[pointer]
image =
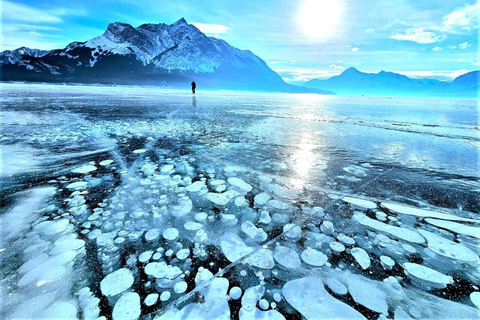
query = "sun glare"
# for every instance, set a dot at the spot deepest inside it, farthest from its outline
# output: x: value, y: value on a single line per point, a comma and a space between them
x: 319, y: 18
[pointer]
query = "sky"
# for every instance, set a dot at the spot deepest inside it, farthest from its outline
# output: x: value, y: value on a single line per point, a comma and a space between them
x: 299, y: 39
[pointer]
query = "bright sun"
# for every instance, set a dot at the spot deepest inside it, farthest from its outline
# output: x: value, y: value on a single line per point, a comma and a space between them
x: 319, y: 18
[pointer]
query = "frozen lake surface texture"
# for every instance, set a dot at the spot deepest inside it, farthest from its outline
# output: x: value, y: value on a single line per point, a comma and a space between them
x: 126, y: 203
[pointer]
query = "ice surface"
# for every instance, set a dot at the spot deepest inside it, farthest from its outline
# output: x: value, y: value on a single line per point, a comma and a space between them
x: 475, y: 298
x: 309, y: 297
x: 262, y: 189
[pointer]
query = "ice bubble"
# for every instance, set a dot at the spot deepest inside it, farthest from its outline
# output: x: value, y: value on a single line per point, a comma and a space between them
x: 222, y: 198
x: 292, y: 232
x: 79, y: 185
x: 220, y: 188
x: 106, y: 162
x: 251, y: 297
x: 116, y: 282
x: 67, y: 243
x: 84, y: 169
x: 346, y: 240
x: 277, y: 204
x: 52, y: 227
x: 277, y: 297
x: 235, y: 293
x: 127, y: 307
x: 183, y: 254
x: 336, y: 286
x: 360, y: 202
x: 309, y: 297
x: 327, y: 228
x: 398, y: 232
x: 145, y: 256
x: 475, y: 298
x: 287, y: 257
x: 337, y: 247
x: 456, y: 227
x: 402, y: 209
x: 169, y: 253
x: 151, y: 299
x: 201, y: 216
x: 157, y: 256
x: 253, y: 232
x: 263, y: 259
x: 196, y: 186
x: 170, y: 234
x: 427, y: 276
x: 167, y: 168
x: 387, y: 262
x: 448, y: 248
x: 362, y: 257
x: 201, y: 236
x: 240, y: 201
x: 152, y: 234
x: 137, y: 151
x: 314, y: 257
x: 365, y: 293
x: 229, y: 219
x: 243, y: 273
x: 263, y: 304
x: 161, y: 270
x: 261, y: 199
x: 233, y: 247
x: 180, y: 287
x: 239, y: 183
x: 265, y: 217
x: 216, y: 182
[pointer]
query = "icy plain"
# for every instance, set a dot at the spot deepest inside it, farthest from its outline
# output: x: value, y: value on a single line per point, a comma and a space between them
x: 130, y: 202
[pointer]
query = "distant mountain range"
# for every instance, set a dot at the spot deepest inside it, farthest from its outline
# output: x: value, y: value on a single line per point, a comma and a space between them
x: 152, y: 54
x: 354, y: 82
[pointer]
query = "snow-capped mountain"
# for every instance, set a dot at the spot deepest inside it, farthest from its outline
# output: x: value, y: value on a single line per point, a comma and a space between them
x: 171, y: 55
x: 14, y: 56
x: 354, y: 82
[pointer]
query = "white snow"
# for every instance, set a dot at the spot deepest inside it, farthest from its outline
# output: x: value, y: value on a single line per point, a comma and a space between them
x: 309, y: 297
x: 314, y: 257
x: 361, y: 256
x: 117, y: 282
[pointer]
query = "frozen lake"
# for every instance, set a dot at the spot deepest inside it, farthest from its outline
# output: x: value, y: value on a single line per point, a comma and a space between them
x: 130, y: 202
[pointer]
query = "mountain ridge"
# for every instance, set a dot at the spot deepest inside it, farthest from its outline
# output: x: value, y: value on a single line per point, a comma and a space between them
x: 354, y: 82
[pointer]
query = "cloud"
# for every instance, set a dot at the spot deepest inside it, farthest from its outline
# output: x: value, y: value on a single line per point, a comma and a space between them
x: 355, y: 49
x: 463, y: 19
x: 336, y: 67
x: 370, y: 30
x: 19, y: 12
x: 298, y: 75
x: 419, y: 35
x: 211, y: 29
x: 461, y: 60
x: 464, y: 45
x: 437, y: 48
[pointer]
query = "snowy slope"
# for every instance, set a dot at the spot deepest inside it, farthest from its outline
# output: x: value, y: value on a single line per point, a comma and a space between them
x: 14, y: 56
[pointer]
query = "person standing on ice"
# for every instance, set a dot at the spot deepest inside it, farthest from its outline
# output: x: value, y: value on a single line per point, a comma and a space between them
x: 194, y: 85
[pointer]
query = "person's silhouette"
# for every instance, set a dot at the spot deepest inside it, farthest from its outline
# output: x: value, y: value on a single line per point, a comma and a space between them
x: 194, y: 85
